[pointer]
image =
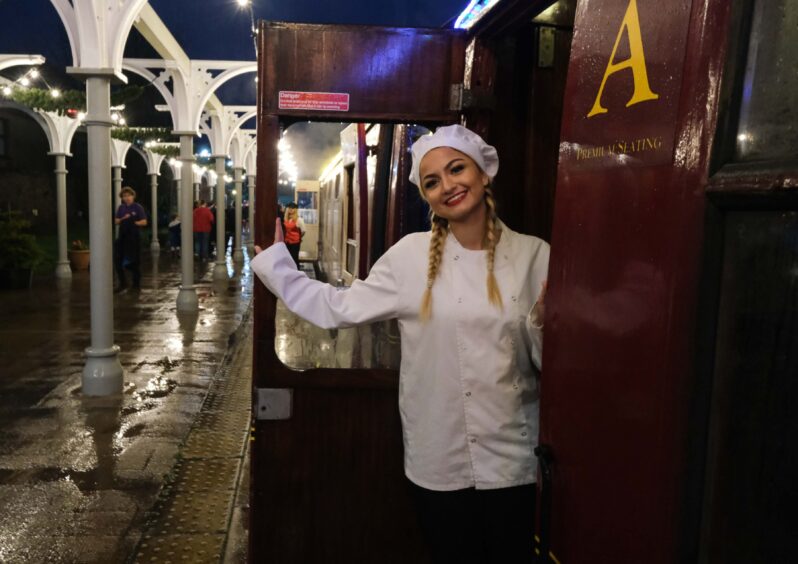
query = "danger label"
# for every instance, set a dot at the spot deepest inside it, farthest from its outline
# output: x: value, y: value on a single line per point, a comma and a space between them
x: 317, y: 101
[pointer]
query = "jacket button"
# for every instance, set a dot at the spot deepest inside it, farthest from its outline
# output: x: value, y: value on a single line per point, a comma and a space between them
x: 473, y: 440
x: 459, y: 300
x: 523, y: 433
x: 456, y: 257
x: 468, y: 394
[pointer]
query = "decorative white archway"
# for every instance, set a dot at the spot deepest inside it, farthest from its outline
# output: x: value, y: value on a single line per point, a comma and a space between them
x: 221, y: 125
x: 59, y: 130
x: 8, y: 61
x: 154, y: 161
x: 97, y: 34
x: 187, y: 88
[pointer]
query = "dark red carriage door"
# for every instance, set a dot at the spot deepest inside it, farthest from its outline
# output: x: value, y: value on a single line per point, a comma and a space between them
x: 327, y: 475
x: 640, y: 107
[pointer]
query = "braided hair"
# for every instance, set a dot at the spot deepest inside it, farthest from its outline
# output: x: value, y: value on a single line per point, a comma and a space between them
x: 440, y: 230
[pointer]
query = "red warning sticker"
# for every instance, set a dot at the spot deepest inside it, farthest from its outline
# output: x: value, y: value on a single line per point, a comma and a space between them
x: 318, y: 101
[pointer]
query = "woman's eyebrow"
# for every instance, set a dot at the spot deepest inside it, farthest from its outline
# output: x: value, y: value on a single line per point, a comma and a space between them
x: 448, y: 166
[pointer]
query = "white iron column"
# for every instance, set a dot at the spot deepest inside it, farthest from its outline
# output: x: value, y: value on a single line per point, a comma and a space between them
x: 62, y: 269
x: 102, y: 374
x: 251, y: 238
x: 220, y: 268
x: 196, y: 191
x: 155, y: 246
x: 238, y: 254
x: 187, y: 297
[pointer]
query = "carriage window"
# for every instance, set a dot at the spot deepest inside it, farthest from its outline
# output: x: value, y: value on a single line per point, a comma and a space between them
x: 768, y: 126
x: 319, y: 173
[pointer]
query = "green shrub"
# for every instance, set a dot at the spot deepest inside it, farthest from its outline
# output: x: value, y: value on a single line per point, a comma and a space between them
x: 18, y: 247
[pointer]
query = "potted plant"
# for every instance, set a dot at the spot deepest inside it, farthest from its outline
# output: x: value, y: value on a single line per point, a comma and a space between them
x: 79, y: 255
x: 19, y: 252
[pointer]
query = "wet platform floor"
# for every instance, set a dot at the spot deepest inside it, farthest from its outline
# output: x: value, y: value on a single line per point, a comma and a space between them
x: 86, y: 479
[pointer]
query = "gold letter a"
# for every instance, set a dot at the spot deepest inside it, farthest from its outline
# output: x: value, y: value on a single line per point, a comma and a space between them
x: 636, y: 61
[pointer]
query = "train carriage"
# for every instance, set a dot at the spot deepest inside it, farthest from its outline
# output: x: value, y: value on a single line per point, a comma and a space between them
x: 653, y: 144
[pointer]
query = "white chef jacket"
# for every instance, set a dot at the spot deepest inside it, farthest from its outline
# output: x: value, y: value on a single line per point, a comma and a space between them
x: 468, y: 392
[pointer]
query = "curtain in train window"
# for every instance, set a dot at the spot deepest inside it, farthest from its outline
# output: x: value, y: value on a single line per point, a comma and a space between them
x: 768, y: 126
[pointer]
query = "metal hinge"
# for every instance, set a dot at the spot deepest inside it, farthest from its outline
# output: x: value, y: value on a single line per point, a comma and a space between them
x: 273, y: 404
x: 461, y: 98
x: 456, y: 97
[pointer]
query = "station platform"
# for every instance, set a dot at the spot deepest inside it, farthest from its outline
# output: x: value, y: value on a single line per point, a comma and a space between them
x: 156, y: 474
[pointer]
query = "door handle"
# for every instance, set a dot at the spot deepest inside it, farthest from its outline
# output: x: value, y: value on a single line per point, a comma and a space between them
x: 546, y: 460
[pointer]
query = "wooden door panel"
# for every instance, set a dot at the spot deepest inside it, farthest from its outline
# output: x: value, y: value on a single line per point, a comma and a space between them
x: 328, y: 485
x: 626, y: 254
x: 392, y: 74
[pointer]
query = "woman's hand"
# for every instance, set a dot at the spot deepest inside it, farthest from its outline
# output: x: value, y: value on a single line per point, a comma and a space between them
x: 278, y: 235
x: 539, y: 309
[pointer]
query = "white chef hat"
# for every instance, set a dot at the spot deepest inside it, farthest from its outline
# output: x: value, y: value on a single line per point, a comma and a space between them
x: 459, y: 138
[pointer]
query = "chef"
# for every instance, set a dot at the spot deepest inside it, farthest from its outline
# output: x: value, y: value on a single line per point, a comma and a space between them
x: 469, y: 299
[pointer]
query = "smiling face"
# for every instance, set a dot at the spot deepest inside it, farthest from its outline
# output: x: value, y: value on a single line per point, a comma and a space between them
x: 453, y: 185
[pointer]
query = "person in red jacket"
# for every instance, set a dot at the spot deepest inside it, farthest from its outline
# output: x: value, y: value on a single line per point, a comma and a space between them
x: 294, y: 229
x: 203, y: 221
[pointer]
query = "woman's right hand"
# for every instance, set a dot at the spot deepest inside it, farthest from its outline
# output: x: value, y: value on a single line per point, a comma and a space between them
x: 278, y: 235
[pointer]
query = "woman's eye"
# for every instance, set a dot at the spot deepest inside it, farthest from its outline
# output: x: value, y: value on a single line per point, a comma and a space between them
x: 430, y: 184
x: 456, y: 169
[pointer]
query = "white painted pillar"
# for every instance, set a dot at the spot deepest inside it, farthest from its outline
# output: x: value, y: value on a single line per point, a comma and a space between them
x: 178, y: 191
x: 155, y: 246
x: 196, y: 192
x: 117, y: 199
x: 251, y: 238
x: 102, y: 374
x: 238, y: 253
x: 187, y: 296
x: 62, y: 269
x: 220, y: 268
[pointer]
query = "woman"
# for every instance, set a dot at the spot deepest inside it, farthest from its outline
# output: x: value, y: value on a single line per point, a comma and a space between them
x: 294, y: 229
x: 469, y: 298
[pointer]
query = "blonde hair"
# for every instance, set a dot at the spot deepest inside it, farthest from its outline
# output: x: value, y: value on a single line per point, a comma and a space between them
x: 291, y: 213
x: 440, y: 229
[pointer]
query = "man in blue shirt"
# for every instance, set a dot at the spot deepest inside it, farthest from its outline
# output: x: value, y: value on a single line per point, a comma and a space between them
x: 130, y: 217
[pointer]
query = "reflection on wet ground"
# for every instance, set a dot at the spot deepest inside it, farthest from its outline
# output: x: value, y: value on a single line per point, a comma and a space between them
x: 77, y: 475
x: 302, y: 345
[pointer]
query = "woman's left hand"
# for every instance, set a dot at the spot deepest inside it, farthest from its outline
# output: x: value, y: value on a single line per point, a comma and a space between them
x: 540, y: 306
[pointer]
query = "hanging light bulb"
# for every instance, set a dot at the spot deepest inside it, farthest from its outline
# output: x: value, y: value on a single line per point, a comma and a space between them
x: 24, y: 81
x: 122, y: 121
x: 243, y: 3
x: 55, y: 93
x: 34, y: 73
x: 7, y: 91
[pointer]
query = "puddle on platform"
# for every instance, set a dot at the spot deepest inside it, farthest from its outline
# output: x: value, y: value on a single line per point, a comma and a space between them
x: 157, y: 387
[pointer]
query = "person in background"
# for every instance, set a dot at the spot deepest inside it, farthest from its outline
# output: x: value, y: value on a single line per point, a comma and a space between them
x: 203, y: 221
x: 130, y: 217
x: 294, y: 230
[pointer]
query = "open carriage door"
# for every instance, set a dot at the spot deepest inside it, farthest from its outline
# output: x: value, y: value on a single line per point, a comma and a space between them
x: 623, y: 399
x: 327, y: 473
